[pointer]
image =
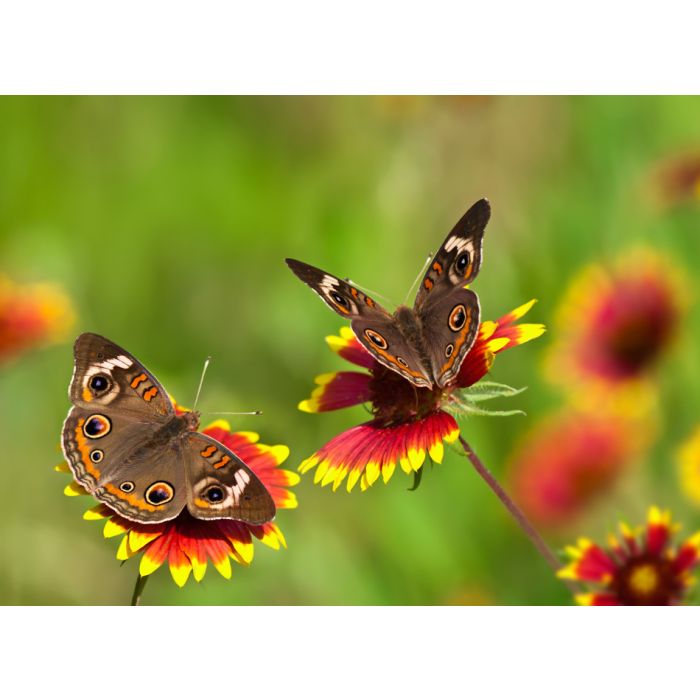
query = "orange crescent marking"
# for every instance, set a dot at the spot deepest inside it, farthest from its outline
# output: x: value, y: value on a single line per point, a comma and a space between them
x: 340, y: 308
x: 135, y: 501
x: 369, y: 302
x: 150, y: 394
x: 353, y: 291
x: 393, y: 361
x: 222, y: 462
x: 458, y: 343
x: 428, y: 283
x: 468, y: 271
x: 137, y: 380
x: 208, y: 451
x: 437, y: 267
x: 84, y: 448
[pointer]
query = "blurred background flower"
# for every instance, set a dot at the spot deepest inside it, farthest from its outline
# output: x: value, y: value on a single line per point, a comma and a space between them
x: 688, y: 458
x: 677, y: 180
x: 166, y: 220
x: 188, y: 544
x: 614, y: 325
x: 32, y: 315
x: 568, y: 462
x: 640, y: 567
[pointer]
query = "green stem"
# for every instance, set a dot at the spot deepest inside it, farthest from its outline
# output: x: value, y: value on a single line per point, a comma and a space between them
x: 519, y: 517
x: 138, y: 590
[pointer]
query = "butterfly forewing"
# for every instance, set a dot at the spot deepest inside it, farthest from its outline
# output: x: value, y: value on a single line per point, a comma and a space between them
x: 458, y: 261
x: 376, y: 330
x: 107, y: 375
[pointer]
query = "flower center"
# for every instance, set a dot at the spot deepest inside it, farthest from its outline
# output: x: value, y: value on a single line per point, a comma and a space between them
x: 647, y: 580
x: 643, y: 579
x: 396, y: 400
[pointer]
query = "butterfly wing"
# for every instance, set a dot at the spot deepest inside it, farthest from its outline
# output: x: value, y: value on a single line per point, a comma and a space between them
x: 113, y: 456
x: 450, y: 326
x: 220, y: 485
x: 458, y: 261
x: 108, y: 438
x: 449, y: 313
x: 107, y: 375
x: 375, y: 329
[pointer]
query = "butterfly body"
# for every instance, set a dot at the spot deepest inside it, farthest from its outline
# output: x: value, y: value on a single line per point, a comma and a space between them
x: 128, y: 447
x: 426, y: 344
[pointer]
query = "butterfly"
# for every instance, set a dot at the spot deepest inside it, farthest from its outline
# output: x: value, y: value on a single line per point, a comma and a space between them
x: 127, y: 446
x: 425, y: 344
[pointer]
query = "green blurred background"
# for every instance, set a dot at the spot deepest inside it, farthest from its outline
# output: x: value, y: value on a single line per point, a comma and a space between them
x: 167, y: 221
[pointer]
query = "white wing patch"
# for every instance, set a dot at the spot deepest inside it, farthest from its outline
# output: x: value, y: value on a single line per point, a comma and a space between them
x: 462, y: 245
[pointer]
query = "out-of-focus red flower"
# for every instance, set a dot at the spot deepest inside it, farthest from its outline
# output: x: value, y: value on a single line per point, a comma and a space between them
x: 567, y: 462
x: 678, y: 179
x: 31, y: 315
x: 613, y: 326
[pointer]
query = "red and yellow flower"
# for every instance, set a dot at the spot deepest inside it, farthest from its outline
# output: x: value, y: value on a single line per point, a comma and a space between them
x: 31, y: 315
x: 689, y: 466
x: 637, y: 568
x: 409, y: 423
x: 188, y: 544
x: 613, y: 326
x: 568, y: 461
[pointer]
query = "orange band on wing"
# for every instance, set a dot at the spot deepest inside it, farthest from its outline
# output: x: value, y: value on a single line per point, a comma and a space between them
x: 458, y: 343
x: 148, y: 395
x: 208, y: 451
x: 222, y: 462
x: 392, y: 360
x: 130, y: 498
x: 137, y: 380
x: 84, y: 448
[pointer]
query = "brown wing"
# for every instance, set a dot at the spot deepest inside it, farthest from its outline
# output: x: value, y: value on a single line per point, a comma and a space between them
x: 107, y: 375
x: 458, y: 261
x: 376, y: 330
x: 220, y: 485
x: 450, y: 326
x: 111, y: 454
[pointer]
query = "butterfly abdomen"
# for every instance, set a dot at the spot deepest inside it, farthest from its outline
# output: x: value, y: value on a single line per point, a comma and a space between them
x: 410, y: 327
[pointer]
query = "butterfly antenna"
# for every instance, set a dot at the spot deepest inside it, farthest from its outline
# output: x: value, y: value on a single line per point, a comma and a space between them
x: 369, y: 291
x: 201, y: 381
x: 420, y: 274
x: 244, y: 413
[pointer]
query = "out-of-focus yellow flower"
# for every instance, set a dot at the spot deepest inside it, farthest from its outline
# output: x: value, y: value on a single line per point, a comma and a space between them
x: 689, y: 466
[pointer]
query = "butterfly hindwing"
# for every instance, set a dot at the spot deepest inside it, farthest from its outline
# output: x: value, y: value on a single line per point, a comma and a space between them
x: 220, y: 485
x: 450, y: 326
x: 113, y: 457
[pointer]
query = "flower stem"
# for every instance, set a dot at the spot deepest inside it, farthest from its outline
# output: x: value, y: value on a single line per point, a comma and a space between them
x: 138, y: 590
x: 519, y: 517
